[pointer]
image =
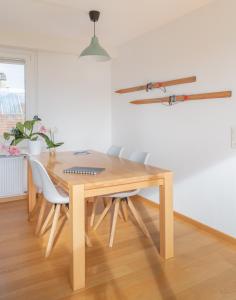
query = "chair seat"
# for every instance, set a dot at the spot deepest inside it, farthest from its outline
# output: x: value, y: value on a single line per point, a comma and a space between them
x: 124, y: 194
x: 62, y: 197
x: 39, y: 190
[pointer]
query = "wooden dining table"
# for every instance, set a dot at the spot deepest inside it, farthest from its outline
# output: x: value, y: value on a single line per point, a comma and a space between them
x: 119, y: 175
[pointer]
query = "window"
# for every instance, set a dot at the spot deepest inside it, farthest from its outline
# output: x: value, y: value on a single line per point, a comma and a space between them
x: 12, y: 94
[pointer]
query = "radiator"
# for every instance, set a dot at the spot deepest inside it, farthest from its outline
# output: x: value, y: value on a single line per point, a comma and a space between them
x: 12, y: 176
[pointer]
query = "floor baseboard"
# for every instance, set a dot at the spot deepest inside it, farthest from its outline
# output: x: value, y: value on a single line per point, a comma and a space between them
x: 195, y: 223
x: 13, y: 198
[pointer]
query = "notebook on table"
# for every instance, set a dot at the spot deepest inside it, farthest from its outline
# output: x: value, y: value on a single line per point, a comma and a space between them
x: 84, y: 170
x: 82, y: 152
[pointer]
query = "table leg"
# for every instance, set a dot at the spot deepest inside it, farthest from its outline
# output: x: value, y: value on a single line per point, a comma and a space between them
x: 166, y: 218
x: 77, y: 236
x: 31, y: 191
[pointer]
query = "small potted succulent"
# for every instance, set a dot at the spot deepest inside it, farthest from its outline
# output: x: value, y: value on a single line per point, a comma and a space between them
x: 26, y: 131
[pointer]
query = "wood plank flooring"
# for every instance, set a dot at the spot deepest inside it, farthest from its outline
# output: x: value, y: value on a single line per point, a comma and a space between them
x: 204, y: 267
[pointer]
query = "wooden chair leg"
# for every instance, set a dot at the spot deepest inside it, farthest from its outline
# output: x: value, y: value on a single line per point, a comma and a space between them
x: 114, y: 220
x: 66, y: 211
x: 61, y: 223
x: 120, y: 214
x: 104, y: 201
x: 53, y: 230
x: 93, y: 211
x: 87, y: 239
x: 36, y: 207
x: 40, y: 217
x: 105, y: 211
x: 46, y: 222
x: 123, y: 205
x: 139, y: 219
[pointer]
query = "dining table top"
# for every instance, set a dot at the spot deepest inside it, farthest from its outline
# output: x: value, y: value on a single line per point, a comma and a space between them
x: 117, y: 170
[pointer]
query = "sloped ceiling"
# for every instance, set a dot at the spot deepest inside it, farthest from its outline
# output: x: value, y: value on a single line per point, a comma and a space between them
x: 120, y: 21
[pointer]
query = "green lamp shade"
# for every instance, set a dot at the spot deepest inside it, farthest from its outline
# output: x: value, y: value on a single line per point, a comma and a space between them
x: 95, y: 51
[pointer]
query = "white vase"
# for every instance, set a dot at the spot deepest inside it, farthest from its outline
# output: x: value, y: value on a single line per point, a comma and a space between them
x: 34, y: 147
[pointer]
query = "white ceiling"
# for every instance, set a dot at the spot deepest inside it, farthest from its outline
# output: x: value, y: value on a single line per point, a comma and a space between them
x: 120, y: 21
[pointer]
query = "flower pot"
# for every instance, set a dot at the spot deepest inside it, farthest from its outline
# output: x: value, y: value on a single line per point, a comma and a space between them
x: 34, y: 147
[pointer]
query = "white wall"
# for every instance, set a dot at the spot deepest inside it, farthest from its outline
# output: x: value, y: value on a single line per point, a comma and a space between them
x: 192, y: 139
x: 70, y: 95
x: 74, y: 97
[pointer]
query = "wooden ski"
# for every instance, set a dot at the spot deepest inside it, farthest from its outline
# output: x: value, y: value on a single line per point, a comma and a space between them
x: 156, y: 85
x: 173, y: 99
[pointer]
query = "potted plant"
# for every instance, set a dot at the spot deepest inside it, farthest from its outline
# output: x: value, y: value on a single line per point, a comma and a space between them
x: 26, y: 131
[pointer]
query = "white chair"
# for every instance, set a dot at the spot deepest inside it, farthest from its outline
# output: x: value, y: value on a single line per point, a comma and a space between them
x: 113, y: 151
x: 57, y: 198
x: 123, y: 200
x: 40, y: 200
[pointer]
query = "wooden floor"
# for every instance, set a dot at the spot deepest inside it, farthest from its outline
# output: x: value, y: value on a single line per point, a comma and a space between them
x: 203, y: 268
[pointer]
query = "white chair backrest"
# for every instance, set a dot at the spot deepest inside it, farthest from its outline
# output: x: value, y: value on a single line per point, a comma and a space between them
x: 115, y: 151
x: 36, y: 177
x: 140, y: 157
x: 49, y: 190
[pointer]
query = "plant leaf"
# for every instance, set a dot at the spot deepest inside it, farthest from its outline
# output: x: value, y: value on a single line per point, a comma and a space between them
x: 46, y: 139
x: 17, y: 141
x: 49, y: 142
x: 28, y: 125
x: 6, y: 136
x: 58, y: 144
x: 20, y: 127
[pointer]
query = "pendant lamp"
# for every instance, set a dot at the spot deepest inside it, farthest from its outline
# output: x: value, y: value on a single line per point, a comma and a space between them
x: 94, y: 51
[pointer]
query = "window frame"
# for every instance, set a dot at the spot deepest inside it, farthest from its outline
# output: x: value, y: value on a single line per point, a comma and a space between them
x: 30, y: 60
